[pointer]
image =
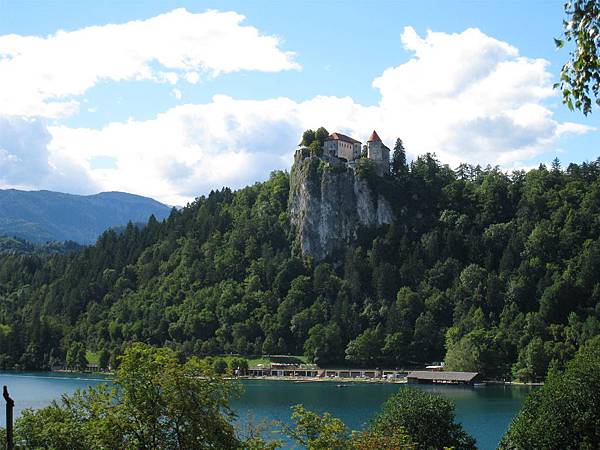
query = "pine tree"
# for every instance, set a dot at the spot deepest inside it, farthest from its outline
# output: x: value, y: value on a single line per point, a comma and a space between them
x: 399, y: 166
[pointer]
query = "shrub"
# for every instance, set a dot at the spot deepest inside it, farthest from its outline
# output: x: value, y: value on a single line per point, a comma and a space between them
x: 428, y: 419
x: 565, y: 412
x: 156, y: 403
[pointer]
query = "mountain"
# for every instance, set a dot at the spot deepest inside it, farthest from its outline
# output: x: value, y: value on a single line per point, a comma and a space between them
x: 42, y: 216
x: 488, y: 271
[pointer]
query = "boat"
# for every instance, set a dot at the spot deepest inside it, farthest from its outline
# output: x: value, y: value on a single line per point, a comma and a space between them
x: 478, y: 385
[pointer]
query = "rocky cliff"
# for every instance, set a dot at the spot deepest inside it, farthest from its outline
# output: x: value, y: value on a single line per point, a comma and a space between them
x: 329, y: 202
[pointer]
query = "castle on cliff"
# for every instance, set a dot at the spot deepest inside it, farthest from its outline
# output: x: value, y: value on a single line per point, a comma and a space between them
x: 344, y: 147
x: 331, y: 198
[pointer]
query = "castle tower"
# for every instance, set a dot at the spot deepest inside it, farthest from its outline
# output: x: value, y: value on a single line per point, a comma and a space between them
x: 378, y: 152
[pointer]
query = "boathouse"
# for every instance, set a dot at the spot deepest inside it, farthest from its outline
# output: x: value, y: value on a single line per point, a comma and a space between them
x: 428, y: 377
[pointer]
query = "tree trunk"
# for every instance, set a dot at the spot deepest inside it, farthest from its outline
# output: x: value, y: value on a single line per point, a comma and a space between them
x: 10, y: 404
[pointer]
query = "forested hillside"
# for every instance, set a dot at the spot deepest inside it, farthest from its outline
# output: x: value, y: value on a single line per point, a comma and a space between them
x: 16, y: 246
x: 489, y: 271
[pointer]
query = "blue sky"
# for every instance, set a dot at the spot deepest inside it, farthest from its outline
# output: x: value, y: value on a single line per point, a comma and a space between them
x: 143, y: 132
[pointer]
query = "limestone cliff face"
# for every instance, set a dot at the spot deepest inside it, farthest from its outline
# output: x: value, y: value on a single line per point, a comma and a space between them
x: 328, y: 203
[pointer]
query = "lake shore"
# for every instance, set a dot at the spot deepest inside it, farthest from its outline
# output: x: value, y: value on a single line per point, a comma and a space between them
x: 325, y: 379
x: 292, y: 379
x: 485, y: 413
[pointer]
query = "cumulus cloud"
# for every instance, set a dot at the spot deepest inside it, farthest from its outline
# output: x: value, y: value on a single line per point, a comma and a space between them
x: 23, y: 152
x: 42, y: 76
x: 26, y: 162
x: 470, y: 98
x: 467, y: 96
x: 189, y: 149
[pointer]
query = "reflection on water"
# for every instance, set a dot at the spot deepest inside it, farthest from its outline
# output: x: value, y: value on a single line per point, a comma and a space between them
x: 485, y: 412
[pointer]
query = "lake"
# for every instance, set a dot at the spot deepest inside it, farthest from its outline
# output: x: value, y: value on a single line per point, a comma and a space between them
x: 485, y: 412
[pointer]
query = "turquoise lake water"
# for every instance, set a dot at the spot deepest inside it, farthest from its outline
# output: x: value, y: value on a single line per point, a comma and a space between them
x: 485, y: 412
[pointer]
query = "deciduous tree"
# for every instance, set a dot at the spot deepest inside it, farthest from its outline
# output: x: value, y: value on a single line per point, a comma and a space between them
x: 580, y: 75
x: 563, y: 413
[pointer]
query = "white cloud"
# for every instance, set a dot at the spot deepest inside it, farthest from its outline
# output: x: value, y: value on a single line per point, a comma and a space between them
x: 26, y: 162
x: 467, y: 97
x: 192, y: 77
x: 177, y: 93
x: 42, y: 76
x: 189, y: 149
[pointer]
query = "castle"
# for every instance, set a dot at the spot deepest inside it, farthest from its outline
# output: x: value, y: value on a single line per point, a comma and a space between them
x: 344, y: 147
x: 332, y: 194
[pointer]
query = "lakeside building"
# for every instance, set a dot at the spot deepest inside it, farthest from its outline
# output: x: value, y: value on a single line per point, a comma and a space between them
x: 312, y: 371
x: 280, y: 369
x: 436, y: 367
x: 437, y: 377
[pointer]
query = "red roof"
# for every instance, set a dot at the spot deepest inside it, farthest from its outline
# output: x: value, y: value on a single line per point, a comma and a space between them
x: 341, y: 137
x: 374, y: 137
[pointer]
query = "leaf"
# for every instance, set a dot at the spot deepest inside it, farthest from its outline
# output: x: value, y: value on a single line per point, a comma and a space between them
x: 559, y: 43
x: 570, y: 104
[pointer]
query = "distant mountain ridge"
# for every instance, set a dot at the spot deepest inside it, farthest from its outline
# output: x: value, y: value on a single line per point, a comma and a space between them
x: 42, y: 216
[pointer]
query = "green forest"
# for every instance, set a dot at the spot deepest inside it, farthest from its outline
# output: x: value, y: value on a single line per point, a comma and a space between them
x: 488, y: 271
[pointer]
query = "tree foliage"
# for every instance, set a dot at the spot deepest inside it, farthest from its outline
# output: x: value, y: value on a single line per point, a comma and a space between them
x: 563, y: 413
x: 308, y: 137
x: 428, y: 419
x: 399, y: 165
x: 580, y: 75
x: 314, y: 431
x: 496, y: 270
x: 157, y: 403
x: 320, y: 135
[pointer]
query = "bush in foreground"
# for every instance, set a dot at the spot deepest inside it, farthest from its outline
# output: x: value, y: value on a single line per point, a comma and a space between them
x: 313, y: 431
x: 410, y: 420
x: 156, y: 403
x: 565, y: 412
x: 428, y: 419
